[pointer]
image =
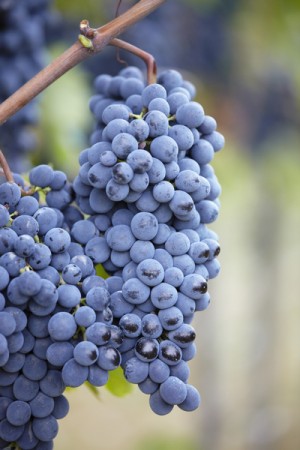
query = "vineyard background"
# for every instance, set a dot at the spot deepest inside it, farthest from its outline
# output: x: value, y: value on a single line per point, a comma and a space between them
x: 244, y: 58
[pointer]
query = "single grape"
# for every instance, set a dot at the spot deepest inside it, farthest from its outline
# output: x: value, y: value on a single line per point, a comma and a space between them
x: 123, y: 144
x: 151, y: 92
x: 109, y: 358
x: 62, y: 326
x: 135, y: 291
x: 85, y: 316
x: 164, y: 296
x: 10, y: 194
x: 170, y: 353
x: 146, y: 349
x: 192, y: 399
x: 86, y: 353
x: 190, y: 114
x: 131, y: 325
x: 41, y: 176
x: 173, y: 391
x: 158, y: 405
x: 170, y: 318
x: 58, y: 353
x: 183, y: 336
x: 135, y: 370
x: 98, y: 333
x: 150, y: 272
x: 18, y: 413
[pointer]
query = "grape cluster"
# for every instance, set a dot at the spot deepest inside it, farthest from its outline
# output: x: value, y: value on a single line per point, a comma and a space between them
x: 22, y: 49
x: 147, y: 183
x: 139, y: 207
x: 55, y: 323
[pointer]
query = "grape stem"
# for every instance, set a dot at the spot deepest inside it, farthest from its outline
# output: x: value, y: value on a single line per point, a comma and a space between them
x: 5, y: 168
x: 88, y: 35
x: 77, y: 53
x: 146, y: 57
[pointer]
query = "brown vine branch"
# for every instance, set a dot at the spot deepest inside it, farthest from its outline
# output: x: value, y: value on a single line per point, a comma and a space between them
x: 5, y: 168
x: 146, y: 57
x: 77, y: 53
x: 118, y: 55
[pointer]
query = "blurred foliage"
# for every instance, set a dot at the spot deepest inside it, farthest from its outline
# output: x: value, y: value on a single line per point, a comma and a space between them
x: 270, y: 33
x: 161, y: 442
x: 280, y: 168
x: 78, y: 10
x: 65, y: 120
x: 117, y: 383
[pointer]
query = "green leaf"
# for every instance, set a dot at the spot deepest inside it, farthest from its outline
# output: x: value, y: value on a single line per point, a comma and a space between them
x: 69, y: 389
x: 117, y: 383
x: 100, y: 271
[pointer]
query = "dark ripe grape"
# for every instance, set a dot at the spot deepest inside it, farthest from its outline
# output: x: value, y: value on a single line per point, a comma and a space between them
x: 193, y: 285
x: 150, y: 272
x: 148, y: 386
x: 170, y: 318
x: 183, y: 336
x: 135, y: 291
x: 86, y: 353
x: 169, y: 352
x: 151, y: 326
x: 122, y: 173
x: 158, y: 405
x: 173, y: 391
x: 147, y: 349
x: 181, y: 203
x: 164, y: 296
x: 98, y: 333
x: 109, y: 358
x: 116, y: 336
x: 199, y: 252
x: 131, y: 325
x: 192, y: 399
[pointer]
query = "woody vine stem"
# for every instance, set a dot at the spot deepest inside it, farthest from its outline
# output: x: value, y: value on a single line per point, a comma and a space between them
x: 91, y: 41
x: 5, y: 169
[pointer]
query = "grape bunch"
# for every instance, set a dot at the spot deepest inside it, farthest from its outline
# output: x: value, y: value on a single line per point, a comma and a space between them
x: 56, y: 327
x: 22, y: 50
x: 139, y: 207
x: 148, y: 186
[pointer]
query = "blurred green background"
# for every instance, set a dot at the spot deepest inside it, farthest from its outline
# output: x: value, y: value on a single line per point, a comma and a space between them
x: 244, y: 58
